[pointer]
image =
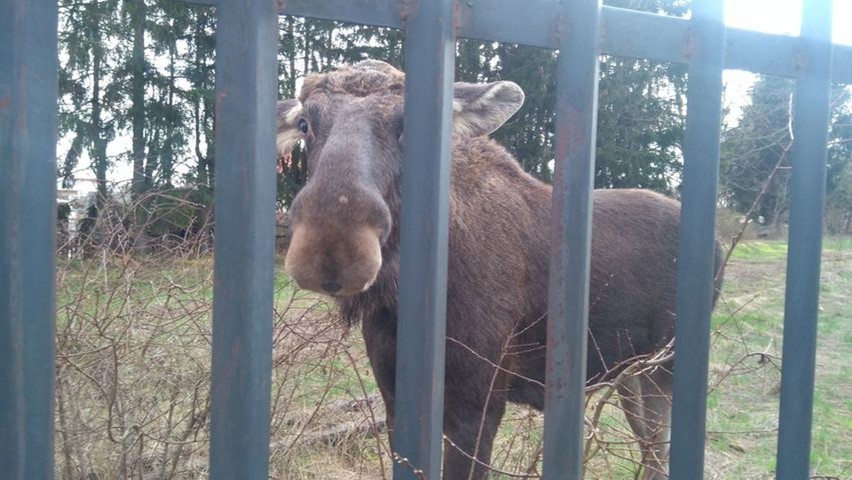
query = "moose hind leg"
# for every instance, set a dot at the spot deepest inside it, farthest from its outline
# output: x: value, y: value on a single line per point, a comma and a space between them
x: 646, y: 401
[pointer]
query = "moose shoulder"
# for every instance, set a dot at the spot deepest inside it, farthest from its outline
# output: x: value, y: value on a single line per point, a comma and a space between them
x: 345, y: 243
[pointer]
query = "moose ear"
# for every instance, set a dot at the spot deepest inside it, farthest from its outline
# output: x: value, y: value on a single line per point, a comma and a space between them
x: 289, y: 133
x: 481, y: 108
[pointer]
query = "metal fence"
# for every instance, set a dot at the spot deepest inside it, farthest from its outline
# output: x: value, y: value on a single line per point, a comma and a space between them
x: 246, y: 90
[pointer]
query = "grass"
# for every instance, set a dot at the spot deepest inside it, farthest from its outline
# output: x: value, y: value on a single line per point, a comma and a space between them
x: 745, y: 363
x: 129, y: 333
x: 760, y: 252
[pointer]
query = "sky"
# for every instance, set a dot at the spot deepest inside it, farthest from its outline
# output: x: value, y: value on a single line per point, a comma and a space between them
x: 779, y: 17
x: 784, y: 16
x: 770, y: 16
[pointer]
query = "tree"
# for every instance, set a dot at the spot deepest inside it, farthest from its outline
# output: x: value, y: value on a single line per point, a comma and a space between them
x: 839, y: 203
x: 641, y: 113
x: 757, y: 152
x: 146, y: 73
x: 839, y: 182
x: 529, y: 134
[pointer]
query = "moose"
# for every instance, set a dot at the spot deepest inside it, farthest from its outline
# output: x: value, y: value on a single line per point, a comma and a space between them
x: 345, y: 243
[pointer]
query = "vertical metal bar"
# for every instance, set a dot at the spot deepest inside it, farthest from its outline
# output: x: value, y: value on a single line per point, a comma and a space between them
x: 245, y: 231
x: 697, y: 239
x: 570, y: 237
x: 810, y: 153
x: 28, y: 90
x: 429, y: 53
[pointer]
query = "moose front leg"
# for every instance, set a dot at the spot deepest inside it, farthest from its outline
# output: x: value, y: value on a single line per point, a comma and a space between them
x: 469, y: 431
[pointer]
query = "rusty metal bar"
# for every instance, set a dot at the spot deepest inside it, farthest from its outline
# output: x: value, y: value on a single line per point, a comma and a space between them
x: 246, y: 87
x: 810, y: 154
x: 430, y: 60
x: 570, y: 237
x: 697, y: 237
x: 29, y: 66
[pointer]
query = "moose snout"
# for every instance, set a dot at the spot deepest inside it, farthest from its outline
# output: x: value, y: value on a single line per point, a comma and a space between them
x: 340, y: 263
x: 331, y: 287
x: 337, y: 232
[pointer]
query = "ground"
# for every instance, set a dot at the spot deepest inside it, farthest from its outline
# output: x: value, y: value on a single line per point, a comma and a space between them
x: 133, y: 358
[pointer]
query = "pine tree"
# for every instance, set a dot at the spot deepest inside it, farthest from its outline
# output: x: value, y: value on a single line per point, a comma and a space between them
x: 85, y: 110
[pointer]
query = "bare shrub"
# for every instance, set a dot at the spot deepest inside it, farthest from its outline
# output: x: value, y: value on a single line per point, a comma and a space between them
x: 611, y: 448
x: 132, y: 367
x: 133, y: 357
x: 729, y: 226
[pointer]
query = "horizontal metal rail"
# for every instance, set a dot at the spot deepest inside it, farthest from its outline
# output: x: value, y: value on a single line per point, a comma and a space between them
x: 623, y: 32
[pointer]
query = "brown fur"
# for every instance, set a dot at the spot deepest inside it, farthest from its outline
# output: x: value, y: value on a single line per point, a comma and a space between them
x: 498, y: 263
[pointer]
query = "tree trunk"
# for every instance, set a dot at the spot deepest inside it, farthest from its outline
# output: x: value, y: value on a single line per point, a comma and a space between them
x: 99, y: 158
x: 137, y: 109
x: 291, y: 80
x: 137, y: 119
x: 203, y: 108
x: 152, y: 159
x: 71, y: 159
x: 167, y: 160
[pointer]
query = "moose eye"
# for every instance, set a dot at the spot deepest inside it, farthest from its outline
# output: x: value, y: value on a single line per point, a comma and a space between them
x: 303, y: 125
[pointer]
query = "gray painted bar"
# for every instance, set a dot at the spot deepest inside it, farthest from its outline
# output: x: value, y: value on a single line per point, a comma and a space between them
x: 697, y: 239
x: 810, y: 131
x: 246, y: 86
x: 28, y: 92
x: 418, y: 422
x: 570, y: 238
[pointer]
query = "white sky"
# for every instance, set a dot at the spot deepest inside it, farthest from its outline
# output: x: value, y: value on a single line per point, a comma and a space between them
x: 773, y: 16
x: 770, y: 16
x: 784, y: 16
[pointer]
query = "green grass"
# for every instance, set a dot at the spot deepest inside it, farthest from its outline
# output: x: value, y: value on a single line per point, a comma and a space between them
x: 746, y: 357
x: 760, y: 251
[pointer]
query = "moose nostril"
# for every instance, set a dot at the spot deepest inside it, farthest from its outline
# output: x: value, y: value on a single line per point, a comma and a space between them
x: 331, y: 287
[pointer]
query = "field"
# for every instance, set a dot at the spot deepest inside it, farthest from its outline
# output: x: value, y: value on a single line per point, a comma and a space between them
x: 746, y: 360
x: 133, y: 356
